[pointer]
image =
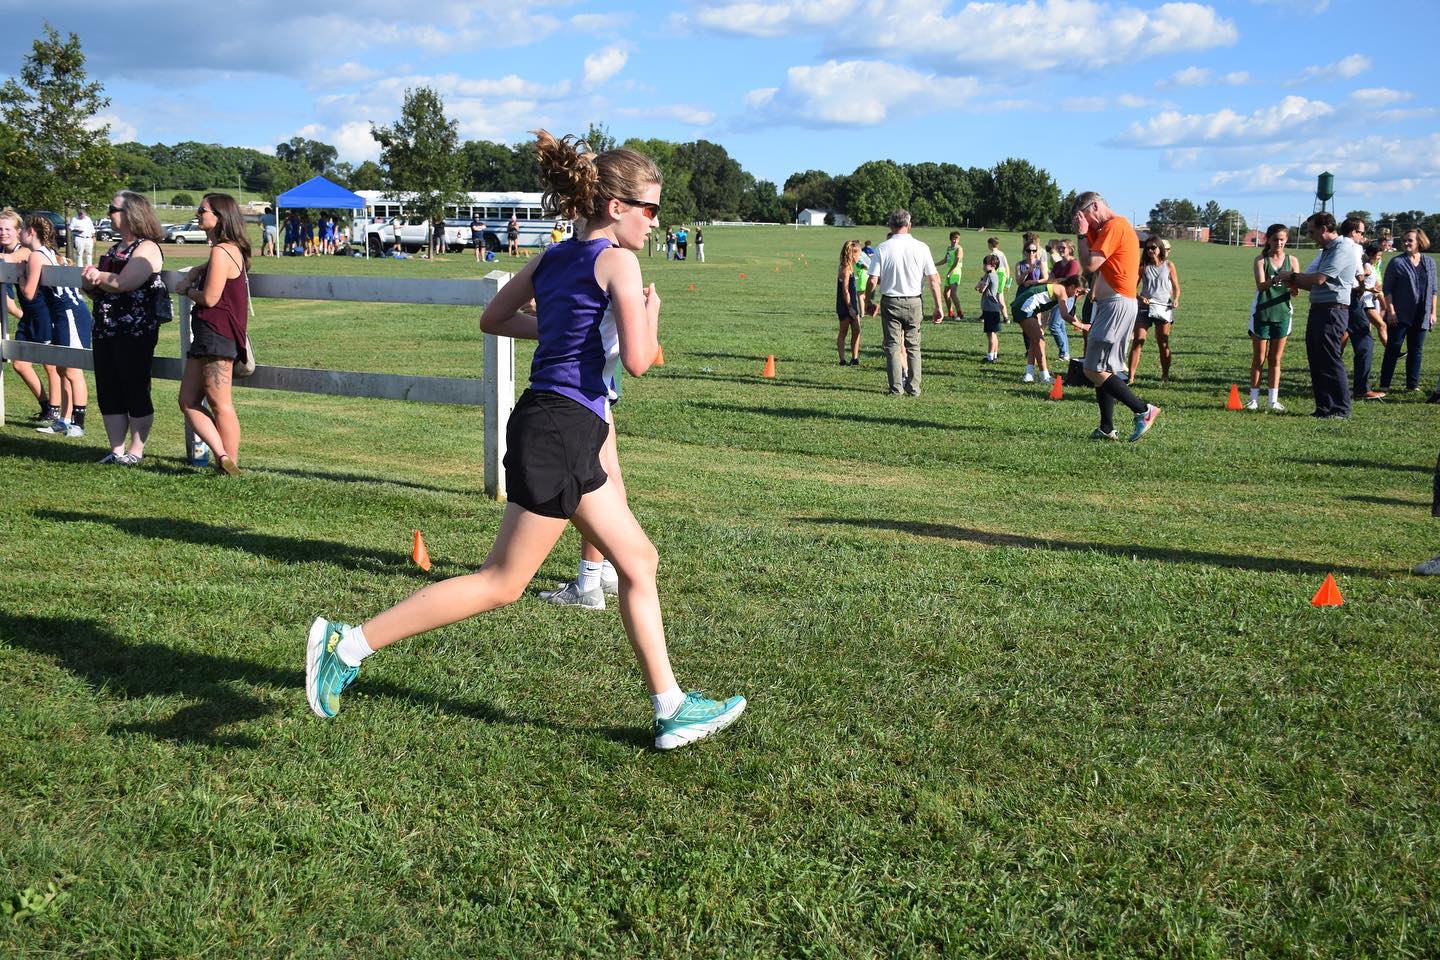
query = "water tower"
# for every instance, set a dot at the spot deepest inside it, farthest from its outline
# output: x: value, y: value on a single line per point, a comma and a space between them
x: 1325, y: 193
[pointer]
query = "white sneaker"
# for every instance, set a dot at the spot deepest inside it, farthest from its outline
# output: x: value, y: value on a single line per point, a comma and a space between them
x: 1253, y: 404
x: 1277, y: 407
x: 56, y: 426
x: 74, y: 431
x: 569, y: 594
x: 1047, y: 378
x: 1028, y: 378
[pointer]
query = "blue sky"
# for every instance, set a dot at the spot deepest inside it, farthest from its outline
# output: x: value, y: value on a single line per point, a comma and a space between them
x: 1240, y: 101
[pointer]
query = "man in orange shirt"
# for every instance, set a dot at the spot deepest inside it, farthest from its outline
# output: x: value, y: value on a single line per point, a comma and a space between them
x: 1110, y: 249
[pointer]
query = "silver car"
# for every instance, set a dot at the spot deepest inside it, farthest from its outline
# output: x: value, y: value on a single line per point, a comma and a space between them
x: 186, y: 233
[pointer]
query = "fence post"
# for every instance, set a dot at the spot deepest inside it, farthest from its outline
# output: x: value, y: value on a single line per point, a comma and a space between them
x: 499, y: 380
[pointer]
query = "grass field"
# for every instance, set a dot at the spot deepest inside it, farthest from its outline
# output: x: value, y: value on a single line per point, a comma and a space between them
x: 1012, y: 693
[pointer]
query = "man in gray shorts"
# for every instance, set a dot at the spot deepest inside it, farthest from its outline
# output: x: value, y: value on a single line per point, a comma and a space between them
x: 1110, y: 249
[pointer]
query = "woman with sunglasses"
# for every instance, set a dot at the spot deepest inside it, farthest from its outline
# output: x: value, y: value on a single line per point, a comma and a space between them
x: 130, y: 302
x: 592, y: 312
x: 1030, y: 290
x: 1410, y: 294
x: 1158, y: 296
x: 220, y: 290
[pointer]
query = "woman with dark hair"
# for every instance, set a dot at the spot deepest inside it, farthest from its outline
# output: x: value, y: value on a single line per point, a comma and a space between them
x: 1410, y: 311
x: 130, y: 303
x: 1271, y: 315
x: 1159, y: 295
x: 847, y: 303
x: 67, y: 318
x: 12, y: 251
x: 220, y: 291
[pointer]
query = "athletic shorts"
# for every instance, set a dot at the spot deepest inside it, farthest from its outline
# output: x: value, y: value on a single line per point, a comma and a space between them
x: 35, y: 326
x: 991, y: 319
x: 1110, y: 327
x: 207, y: 342
x: 1270, y: 329
x: 552, y: 456
x: 71, y: 328
x: 952, y: 281
x: 1144, y: 321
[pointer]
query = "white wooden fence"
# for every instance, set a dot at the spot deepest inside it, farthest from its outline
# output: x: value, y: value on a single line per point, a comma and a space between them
x: 495, y: 391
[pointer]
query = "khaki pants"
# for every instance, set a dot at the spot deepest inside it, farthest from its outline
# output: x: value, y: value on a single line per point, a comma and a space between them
x: 901, y: 319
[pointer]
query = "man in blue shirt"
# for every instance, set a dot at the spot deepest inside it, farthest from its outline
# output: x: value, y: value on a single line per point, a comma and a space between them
x: 1329, y: 282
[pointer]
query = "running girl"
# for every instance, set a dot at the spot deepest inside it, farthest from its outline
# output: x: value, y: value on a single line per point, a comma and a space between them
x: 847, y: 302
x: 1270, y: 314
x: 592, y: 312
x: 952, y: 263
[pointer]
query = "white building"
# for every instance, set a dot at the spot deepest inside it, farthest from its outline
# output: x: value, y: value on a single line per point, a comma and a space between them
x: 811, y: 217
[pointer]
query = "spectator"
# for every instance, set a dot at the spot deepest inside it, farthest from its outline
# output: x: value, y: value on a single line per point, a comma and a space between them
x: 951, y: 265
x: 989, y: 289
x: 1158, y: 296
x: 66, y: 316
x: 269, y: 234
x: 847, y: 303
x: 862, y: 274
x: 1329, y: 281
x: 220, y: 290
x: 669, y: 244
x: 699, y: 245
x: 512, y: 236
x: 682, y: 243
x: 82, y: 238
x: 1358, y: 333
x: 11, y: 251
x: 1003, y: 274
x: 1029, y: 298
x: 477, y: 236
x: 1270, y: 314
x: 1065, y: 267
x: 1410, y: 293
x: 896, y: 272
x: 1110, y: 249
x: 35, y: 327
x: 437, y: 235
x: 130, y: 304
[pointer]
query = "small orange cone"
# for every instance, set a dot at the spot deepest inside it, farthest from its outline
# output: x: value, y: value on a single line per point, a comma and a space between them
x: 692, y: 288
x: 660, y: 355
x: 419, y: 554
x: 1234, y: 402
x: 742, y: 276
x: 1328, y: 595
x: 769, y: 370
x: 1057, y: 392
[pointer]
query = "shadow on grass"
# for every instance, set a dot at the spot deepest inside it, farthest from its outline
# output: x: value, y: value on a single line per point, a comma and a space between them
x: 216, y: 685
x: 783, y: 380
x: 361, y: 478
x: 804, y: 413
x: 1363, y: 464
x: 1159, y: 554
x: 19, y: 440
x: 1387, y: 501
x: 287, y: 549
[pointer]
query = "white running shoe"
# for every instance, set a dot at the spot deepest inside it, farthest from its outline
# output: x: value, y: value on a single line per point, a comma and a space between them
x: 569, y: 594
x: 1253, y: 404
x: 1047, y: 378
x: 1028, y: 378
x: 1277, y: 407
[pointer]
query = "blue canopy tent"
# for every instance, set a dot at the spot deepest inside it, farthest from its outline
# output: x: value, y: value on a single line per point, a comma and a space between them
x: 317, y: 192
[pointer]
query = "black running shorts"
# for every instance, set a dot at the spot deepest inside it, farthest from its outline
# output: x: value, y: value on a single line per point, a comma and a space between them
x: 552, y: 456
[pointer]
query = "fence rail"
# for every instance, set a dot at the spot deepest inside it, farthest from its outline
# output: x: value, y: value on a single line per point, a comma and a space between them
x: 494, y: 391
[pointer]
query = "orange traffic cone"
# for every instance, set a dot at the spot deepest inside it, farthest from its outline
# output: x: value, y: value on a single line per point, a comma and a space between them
x: 742, y: 276
x: 692, y: 288
x: 1057, y: 392
x: 769, y: 370
x: 419, y: 554
x: 1328, y: 595
x: 1234, y: 402
x: 660, y: 355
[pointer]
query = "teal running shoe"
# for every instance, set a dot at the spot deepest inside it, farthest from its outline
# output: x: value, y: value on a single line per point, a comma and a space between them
x: 326, y: 675
x: 696, y: 719
x: 1144, y: 421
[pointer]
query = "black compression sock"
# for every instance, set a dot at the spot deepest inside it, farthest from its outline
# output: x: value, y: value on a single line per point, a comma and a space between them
x: 1107, y: 410
x: 1121, y: 391
x: 77, y: 416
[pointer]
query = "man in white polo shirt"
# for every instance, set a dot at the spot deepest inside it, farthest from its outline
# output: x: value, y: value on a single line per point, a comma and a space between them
x: 82, y: 235
x: 897, y: 269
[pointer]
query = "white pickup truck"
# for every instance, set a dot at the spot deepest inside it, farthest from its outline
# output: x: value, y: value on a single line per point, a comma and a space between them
x: 414, y: 235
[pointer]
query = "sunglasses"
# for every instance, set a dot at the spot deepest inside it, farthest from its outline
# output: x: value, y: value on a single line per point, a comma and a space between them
x: 201, y: 211
x: 652, y: 210
x: 1031, y: 249
x: 117, y: 209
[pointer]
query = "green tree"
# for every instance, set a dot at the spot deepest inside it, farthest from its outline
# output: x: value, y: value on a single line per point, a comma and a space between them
x: 600, y: 138
x: 1360, y: 215
x: 1169, y: 217
x: 487, y: 166
x: 716, y: 180
x: 312, y: 155
x: 56, y: 155
x: 420, y: 155
x: 676, y: 200
x: 1021, y: 195
x: 369, y: 175
x: 876, y: 188
x: 1210, y: 215
x: 760, y: 202
x: 812, y: 189
x: 940, y: 195
x: 1230, y: 224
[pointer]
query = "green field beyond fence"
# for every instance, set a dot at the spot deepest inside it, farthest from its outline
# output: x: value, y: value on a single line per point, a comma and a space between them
x: 1012, y: 692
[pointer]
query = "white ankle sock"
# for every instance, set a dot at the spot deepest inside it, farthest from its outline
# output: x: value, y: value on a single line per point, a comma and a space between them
x: 1275, y: 395
x: 607, y: 573
x: 667, y: 703
x: 589, y: 576
x: 1254, y: 394
x: 353, y: 647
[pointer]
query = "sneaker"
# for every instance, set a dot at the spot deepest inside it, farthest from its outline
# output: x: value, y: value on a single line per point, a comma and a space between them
x: 569, y: 594
x: 1047, y: 377
x: 56, y: 426
x: 696, y: 719
x: 74, y: 430
x: 1430, y: 568
x: 129, y: 460
x: 1434, y: 397
x: 1028, y: 378
x: 1253, y: 404
x: 1277, y: 407
x: 1144, y: 421
x: 111, y: 458
x: 1064, y: 358
x: 326, y: 675
x: 1098, y: 434
x: 1372, y: 395
x: 610, y: 588
x: 854, y: 361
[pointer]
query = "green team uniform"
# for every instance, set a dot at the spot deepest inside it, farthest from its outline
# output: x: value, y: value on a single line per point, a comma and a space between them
x: 952, y: 265
x: 1271, y: 312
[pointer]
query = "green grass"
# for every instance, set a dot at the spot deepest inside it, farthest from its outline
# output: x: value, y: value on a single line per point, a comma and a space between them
x: 1012, y: 693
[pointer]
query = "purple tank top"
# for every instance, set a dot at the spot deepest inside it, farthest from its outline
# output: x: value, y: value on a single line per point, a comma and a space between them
x: 579, y: 343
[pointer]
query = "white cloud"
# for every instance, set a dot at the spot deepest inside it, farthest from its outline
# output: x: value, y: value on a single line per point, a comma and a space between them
x: 1345, y: 69
x: 1085, y: 104
x: 603, y: 65
x: 857, y: 93
x: 683, y: 112
x: 1379, y: 96
x: 1170, y: 128
x: 1367, y: 166
x: 1188, y: 77
x: 1133, y: 102
x: 1236, y: 78
x: 121, y: 131
x: 1041, y: 34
